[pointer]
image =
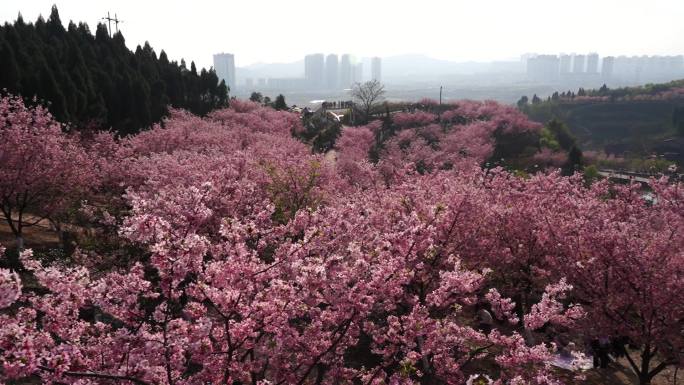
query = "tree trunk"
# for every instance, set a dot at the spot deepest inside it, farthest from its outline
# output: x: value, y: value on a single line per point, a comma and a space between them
x: 13, y: 258
x: 20, y: 244
x: 644, y: 371
x: 644, y: 379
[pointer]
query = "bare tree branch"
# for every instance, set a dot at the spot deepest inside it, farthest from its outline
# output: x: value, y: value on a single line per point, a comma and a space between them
x: 98, y: 375
x: 367, y: 95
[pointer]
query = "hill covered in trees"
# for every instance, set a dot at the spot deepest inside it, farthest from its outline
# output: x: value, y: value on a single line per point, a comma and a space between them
x: 631, y: 121
x: 221, y: 250
x: 95, y: 80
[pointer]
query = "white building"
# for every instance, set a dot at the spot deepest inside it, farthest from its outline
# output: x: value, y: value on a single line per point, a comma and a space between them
x: 578, y: 64
x: 543, y: 68
x: 346, y: 71
x: 376, y: 69
x: 565, y: 63
x: 592, y: 63
x: 358, y: 73
x: 332, y: 72
x: 224, y: 64
x: 314, y: 70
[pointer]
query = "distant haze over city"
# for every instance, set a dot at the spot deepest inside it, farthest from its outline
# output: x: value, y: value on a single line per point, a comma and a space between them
x: 327, y: 76
x: 273, y: 31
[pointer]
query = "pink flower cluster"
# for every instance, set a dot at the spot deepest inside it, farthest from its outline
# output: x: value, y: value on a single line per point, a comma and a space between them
x: 240, y: 257
x: 463, y: 135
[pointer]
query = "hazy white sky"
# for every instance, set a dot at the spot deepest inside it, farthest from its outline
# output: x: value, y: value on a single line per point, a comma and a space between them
x: 282, y: 30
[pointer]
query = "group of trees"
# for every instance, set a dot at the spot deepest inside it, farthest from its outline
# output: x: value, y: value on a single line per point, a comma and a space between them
x: 279, y: 103
x: 219, y: 249
x: 442, y: 136
x: 96, y: 80
x: 649, y: 92
x: 449, y: 132
x: 634, y: 123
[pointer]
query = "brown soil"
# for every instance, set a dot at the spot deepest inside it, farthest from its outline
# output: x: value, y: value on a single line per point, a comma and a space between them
x: 623, y: 375
x: 39, y: 236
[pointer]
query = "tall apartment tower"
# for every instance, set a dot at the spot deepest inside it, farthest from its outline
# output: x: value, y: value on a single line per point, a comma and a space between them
x: 314, y: 70
x: 544, y: 68
x: 578, y: 63
x: 376, y: 69
x: 346, y: 70
x: 565, y: 63
x: 678, y: 65
x: 592, y: 63
x: 607, y: 67
x: 358, y: 73
x: 332, y: 72
x: 224, y: 64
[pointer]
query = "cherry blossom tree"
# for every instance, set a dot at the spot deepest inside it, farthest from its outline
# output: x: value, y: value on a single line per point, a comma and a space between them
x: 235, y: 255
x: 624, y: 256
x: 43, y: 170
x: 357, y: 291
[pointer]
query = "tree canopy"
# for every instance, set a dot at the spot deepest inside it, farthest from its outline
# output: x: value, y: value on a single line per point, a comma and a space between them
x: 95, y: 80
x: 221, y: 250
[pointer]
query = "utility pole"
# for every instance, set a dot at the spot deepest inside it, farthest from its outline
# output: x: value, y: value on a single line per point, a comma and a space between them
x: 440, y: 95
x: 116, y: 21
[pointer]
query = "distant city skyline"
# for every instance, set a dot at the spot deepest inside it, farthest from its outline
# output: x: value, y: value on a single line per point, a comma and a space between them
x: 272, y: 31
x: 321, y: 72
x: 638, y: 69
x: 332, y: 72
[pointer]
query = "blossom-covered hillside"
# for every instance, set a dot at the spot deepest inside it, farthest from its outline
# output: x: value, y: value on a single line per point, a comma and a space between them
x: 220, y: 250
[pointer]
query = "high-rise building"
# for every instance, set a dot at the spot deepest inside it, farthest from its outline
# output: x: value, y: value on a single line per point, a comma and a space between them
x: 607, y: 67
x: 224, y: 64
x: 578, y: 64
x: 565, y: 63
x: 376, y: 68
x: 677, y: 65
x: 626, y: 68
x: 332, y: 72
x: 346, y: 78
x: 592, y: 63
x: 543, y: 68
x: 314, y: 70
x: 358, y: 73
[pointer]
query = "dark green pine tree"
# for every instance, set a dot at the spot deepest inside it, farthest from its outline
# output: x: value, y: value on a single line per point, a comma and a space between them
x: 51, y: 92
x: 562, y: 134
x: 280, y: 103
x: 9, y: 69
x: 85, y: 78
x: 256, y: 97
x: 574, y: 162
